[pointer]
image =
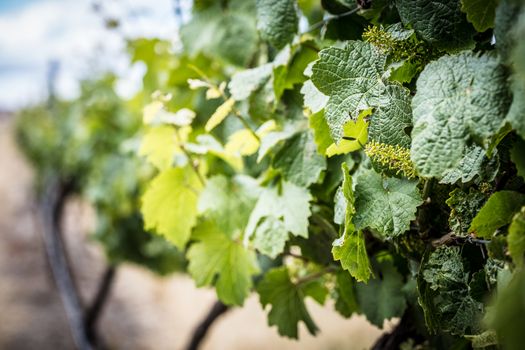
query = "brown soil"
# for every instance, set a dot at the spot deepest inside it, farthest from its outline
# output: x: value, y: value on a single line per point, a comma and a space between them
x: 144, y: 311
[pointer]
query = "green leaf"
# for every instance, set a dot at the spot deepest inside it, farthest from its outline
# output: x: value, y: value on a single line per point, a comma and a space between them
x: 350, y: 248
x: 272, y: 139
x: 169, y: 205
x: 516, y: 238
x: 287, y: 202
x: 480, y: 13
x: 345, y: 299
x: 230, y: 36
x: 459, y: 99
x: 299, y: 161
x: 463, y: 208
x: 507, y: 14
x: 507, y: 315
x: 483, y: 340
x: 229, y: 202
x: 159, y: 146
x: 277, y: 21
x: 385, y: 204
x: 474, y: 165
x: 439, y: 22
x: 516, y: 115
x: 447, y: 301
x: 518, y: 157
x: 321, y: 131
x: 388, y: 124
x: 497, y: 212
x: 444, y: 269
x: 381, y: 298
x: 351, y: 77
x: 220, y: 114
x: 208, y: 144
x: 246, y: 82
x: 218, y: 260
x: 287, y: 302
x: 270, y: 237
x: 355, y: 135
x: 314, y: 99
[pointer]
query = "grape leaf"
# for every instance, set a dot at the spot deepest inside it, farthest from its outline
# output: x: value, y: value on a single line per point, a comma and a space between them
x: 314, y: 99
x: 507, y: 315
x: 270, y: 237
x: 351, y: 77
x: 169, y: 205
x: 497, y: 212
x: 516, y: 114
x: 380, y: 299
x: 299, y: 161
x: 507, y: 14
x: 449, y: 294
x: 388, y: 124
x: 159, y: 146
x: 345, y: 299
x: 350, y: 247
x: 287, y: 302
x: 231, y: 36
x: 459, y: 98
x: 287, y: 201
x: 439, y: 22
x: 444, y: 269
x: 518, y: 157
x: 229, y: 202
x: 480, y: 13
x: 463, y: 208
x: 219, y: 115
x: 474, y: 165
x: 516, y: 238
x: 272, y: 139
x: 219, y: 260
x: 242, y: 143
x: 352, y: 254
x: 246, y: 82
x: 385, y: 204
x: 208, y: 144
x: 321, y: 131
x: 277, y: 21
x: 340, y: 204
x: 355, y: 135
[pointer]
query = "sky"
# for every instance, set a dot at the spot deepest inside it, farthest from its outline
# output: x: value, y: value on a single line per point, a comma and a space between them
x: 34, y: 33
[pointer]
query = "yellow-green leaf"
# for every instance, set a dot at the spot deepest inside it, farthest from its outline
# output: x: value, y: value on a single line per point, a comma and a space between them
x: 242, y: 142
x: 355, y: 135
x: 220, y: 114
x: 169, y: 205
x: 159, y: 145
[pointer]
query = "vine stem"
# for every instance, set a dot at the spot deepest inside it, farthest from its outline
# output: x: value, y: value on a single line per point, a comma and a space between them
x: 217, y: 309
x: 190, y: 158
x: 316, y: 275
x: 238, y: 115
x: 296, y: 256
x: 51, y: 208
x: 99, y: 301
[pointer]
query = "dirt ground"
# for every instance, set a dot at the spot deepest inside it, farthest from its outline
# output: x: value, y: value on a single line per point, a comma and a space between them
x: 144, y: 311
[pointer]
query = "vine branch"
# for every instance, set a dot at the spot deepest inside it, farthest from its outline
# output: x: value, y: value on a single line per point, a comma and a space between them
x: 202, y: 329
x: 93, y: 313
x: 51, y: 207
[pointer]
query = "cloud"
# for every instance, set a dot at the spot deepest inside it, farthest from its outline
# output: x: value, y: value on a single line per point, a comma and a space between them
x: 73, y: 34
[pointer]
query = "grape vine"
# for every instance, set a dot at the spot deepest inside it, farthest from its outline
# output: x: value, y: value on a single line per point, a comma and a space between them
x: 370, y: 153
